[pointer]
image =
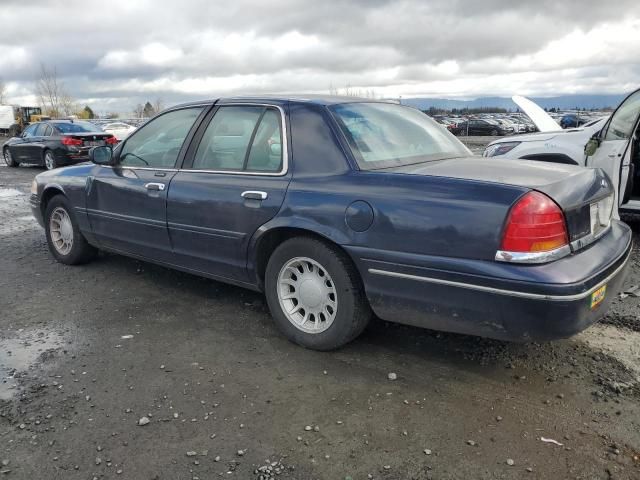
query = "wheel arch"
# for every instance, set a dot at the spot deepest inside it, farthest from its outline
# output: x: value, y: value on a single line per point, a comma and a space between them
x: 47, y: 194
x: 268, y: 238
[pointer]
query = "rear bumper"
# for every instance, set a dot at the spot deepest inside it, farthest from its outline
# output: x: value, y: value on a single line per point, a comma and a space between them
x: 554, y: 302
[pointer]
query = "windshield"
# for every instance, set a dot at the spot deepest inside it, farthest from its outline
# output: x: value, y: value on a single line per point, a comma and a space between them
x: 383, y: 135
x: 77, y: 127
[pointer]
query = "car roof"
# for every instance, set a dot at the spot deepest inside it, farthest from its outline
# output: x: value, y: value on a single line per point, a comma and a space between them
x: 281, y: 99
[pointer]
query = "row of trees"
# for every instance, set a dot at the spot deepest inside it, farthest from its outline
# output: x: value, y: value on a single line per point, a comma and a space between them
x: 148, y: 109
x: 55, y: 100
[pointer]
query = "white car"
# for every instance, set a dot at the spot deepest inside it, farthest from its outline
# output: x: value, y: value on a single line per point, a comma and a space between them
x: 611, y: 143
x: 120, y: 130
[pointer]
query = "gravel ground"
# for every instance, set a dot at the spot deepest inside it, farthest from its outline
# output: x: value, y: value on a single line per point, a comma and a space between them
x: 121, y: 369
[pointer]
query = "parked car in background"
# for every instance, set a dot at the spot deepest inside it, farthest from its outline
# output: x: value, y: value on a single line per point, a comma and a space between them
x: 611, y: 143
x: 506, y: 124
x: 363, y: 207
x: 120, y: 130
x: 573, y: 120
x: 560, y: 146
x: 54, y: 143
x: 482, y: 126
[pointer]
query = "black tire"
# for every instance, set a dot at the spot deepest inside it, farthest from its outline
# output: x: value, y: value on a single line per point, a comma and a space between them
x: 81, y: 251
x: 8, y: 158
x: 352, y: 313
x: 494, y: 133
x: 49, y: 160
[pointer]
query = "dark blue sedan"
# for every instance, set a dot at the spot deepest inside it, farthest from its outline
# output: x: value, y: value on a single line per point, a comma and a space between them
x: 338, y: 209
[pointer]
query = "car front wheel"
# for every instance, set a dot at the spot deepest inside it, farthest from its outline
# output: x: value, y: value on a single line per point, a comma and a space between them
x: 315, y: 294
x: 8, y: 158
x: 66, y: 242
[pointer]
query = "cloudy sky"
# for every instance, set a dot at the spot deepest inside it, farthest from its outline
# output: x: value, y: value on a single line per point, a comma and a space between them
x: 112, y: 55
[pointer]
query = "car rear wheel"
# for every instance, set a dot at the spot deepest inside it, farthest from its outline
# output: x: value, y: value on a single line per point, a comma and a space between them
x: 315, y: 294
x: 8, y: 158
x: 50, y: 160
x: 65, y: 241
x: 494, y: 133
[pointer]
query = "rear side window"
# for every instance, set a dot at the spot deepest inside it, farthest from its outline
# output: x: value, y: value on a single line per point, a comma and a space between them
x: 40, y: 131
x: 241, y: 138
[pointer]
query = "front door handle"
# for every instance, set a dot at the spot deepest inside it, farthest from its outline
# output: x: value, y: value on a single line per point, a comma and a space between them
x: 254, y: 195
x: 158, y: 187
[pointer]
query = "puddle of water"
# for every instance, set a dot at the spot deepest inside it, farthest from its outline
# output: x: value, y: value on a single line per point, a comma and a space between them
x: 622, y: 345
x: 19, y: 354
x: 10, y: 192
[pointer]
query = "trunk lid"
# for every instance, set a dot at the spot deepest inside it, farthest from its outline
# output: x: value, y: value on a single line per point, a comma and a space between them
x: 90, y: 139
x: 575, y: 189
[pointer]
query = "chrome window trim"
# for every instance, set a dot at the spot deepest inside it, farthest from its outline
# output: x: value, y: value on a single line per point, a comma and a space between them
x: 499, y: 291
x: 533, y: 257
x: 285, y: 144
x: 128, y: 167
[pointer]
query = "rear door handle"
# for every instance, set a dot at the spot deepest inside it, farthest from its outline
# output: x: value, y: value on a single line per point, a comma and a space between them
x: 159, y: 187
x: 254, y: 195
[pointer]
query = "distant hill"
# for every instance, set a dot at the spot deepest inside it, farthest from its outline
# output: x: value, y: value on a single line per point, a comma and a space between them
x: 564, y: 102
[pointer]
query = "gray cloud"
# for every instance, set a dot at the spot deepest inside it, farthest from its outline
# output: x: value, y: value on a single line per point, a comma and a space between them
x: 114, y: 54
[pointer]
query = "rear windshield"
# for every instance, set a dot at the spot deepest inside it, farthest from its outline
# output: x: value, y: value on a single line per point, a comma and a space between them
x: 77, y: 127
x: 383, y: 135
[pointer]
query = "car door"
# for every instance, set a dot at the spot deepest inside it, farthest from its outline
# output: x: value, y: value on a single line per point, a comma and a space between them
x: 613, y: 154
x: 40, y: 141
x: 234, y: 180
x: 126, y: 203
x: 21, y: 148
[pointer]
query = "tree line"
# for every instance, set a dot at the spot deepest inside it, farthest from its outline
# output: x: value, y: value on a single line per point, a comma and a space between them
x: 55, y: 100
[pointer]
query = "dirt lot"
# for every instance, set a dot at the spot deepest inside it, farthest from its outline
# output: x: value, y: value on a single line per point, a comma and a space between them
x: 87, y: 352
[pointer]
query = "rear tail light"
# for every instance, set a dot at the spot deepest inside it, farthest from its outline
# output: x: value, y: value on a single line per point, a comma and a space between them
x: 111, y: 140
x: 71, y: 141
x: 535, y: 231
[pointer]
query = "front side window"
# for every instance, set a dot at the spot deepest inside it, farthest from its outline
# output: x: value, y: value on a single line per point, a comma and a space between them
x: 385, y: 135
x: 624, y: 119
x: 241, y: 138
x: 158, y: 143
x: 30, y: 131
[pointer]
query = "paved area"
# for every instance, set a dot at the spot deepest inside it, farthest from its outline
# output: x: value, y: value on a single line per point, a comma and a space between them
x: 121, y: 369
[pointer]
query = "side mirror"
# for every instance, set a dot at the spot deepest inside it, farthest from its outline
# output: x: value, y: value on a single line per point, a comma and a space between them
x: 591, y: 146
x: 101, y: 155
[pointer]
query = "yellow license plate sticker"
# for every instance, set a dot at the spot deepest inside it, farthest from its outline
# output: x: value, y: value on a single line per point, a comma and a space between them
x: 598, y: 296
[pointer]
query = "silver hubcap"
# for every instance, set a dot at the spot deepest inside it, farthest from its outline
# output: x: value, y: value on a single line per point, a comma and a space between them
x: 7, y: 156
x: 61, y: 231
x: 307, y: 295
x: 48, y: 161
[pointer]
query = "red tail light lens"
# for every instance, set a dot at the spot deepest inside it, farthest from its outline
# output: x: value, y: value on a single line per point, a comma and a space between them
x: 535, y: 224
x: 111, y: 140
x: 71, y: 141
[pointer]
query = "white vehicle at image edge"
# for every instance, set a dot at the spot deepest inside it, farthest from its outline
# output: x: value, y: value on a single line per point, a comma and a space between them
x: 120, y: 130
x: 610, y: 143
